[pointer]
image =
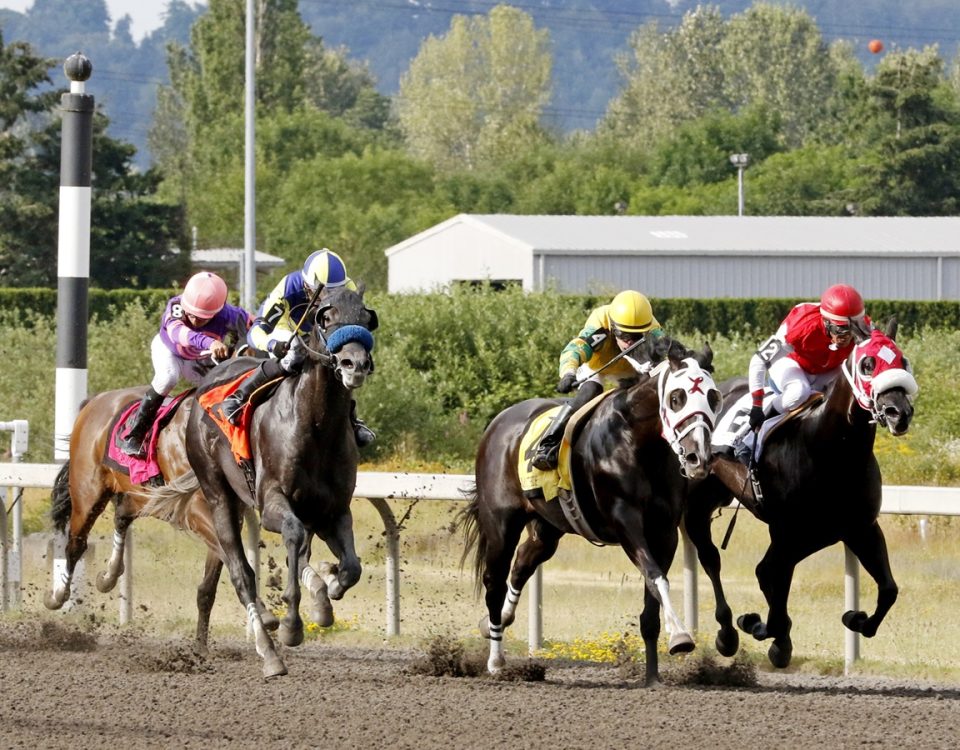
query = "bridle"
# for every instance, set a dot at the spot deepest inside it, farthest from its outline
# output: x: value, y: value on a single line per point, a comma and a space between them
x: 695, y: 413
x: 886, y: 375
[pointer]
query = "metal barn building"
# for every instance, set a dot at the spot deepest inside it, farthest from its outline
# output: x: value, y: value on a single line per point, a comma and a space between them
x: 686, y: 256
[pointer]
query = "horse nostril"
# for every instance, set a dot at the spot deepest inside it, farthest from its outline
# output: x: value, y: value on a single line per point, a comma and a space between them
x: 693, y: 459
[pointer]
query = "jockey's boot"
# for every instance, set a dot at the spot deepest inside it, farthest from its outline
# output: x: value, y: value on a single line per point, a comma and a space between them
x: 361, y: 432
x: 132, y: 444
x: 548, y: 449
x: 231, y: 408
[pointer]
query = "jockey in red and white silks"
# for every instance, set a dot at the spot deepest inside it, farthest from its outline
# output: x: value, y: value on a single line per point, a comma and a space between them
x: 806, y: 352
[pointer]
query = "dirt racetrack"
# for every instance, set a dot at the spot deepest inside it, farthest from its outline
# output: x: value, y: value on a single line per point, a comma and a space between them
x: 62, y: 688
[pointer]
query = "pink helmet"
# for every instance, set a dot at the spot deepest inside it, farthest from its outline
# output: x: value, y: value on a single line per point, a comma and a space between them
x: 204, y: 295
x: 841, y: 303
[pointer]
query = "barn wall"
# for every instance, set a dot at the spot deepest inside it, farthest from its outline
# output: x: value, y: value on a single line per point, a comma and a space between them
x: 711, y: 276
x: 459, y: 253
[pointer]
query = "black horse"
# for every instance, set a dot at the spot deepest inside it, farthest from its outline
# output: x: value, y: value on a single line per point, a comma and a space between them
x: 629, y: 487
x: 304, y: 461
x: 820, y: 484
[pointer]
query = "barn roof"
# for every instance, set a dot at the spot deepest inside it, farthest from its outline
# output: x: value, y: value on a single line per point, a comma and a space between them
x: 766, y: 235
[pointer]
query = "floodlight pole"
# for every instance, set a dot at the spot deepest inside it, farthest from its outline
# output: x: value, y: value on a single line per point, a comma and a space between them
x: 740, y: 161
x: 248, y: 287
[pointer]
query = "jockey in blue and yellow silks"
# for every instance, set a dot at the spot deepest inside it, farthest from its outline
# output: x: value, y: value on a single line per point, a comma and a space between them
x: 609, y: 330
x: 279, y: 317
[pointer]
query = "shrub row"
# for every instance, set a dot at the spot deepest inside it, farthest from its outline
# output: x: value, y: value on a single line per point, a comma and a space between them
x: 709, y: 316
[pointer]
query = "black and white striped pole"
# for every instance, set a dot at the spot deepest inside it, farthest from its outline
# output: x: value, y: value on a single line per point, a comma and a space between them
x: 73, y: 254
x: 73, y: 278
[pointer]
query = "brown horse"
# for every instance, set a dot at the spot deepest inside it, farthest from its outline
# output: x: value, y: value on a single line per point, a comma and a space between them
x: 304, y: 466
x: 629, y: 485
x: 820, y: 485
x: 86, y: 484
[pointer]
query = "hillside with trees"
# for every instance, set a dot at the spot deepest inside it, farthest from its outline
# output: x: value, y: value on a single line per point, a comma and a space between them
x: 471, y: 126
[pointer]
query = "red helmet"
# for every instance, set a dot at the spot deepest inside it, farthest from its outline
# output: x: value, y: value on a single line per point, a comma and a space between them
x: 204, y: 295
x: 841, y: 303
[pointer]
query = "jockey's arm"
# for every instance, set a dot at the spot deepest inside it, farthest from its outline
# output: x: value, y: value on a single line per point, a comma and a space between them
x: 767, y: 353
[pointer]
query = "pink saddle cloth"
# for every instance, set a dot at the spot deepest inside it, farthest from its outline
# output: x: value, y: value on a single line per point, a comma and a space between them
x: 140, y: 469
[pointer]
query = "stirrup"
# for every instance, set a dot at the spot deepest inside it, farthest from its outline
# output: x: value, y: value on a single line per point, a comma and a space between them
x: 547, y: 457
x: 229, y: 410
x: 363, y: 434
x: 133, y: 449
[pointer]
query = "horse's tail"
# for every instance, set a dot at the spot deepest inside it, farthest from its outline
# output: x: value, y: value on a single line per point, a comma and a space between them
x: 171, y: 502
x: 61, y: 505
x: 468, y: 520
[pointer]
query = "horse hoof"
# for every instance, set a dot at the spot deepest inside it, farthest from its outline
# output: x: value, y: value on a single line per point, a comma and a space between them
x: 496, y: 664
x: 51, y: 601
x: 322, y: 615
x: 106, y: 583
x: 681, y: 643
x: 273, y: 667
x: 780, y: 655
x: 750, y: 623
x: 853, y: 620
x: 727, y: 643
x: 290, y: 636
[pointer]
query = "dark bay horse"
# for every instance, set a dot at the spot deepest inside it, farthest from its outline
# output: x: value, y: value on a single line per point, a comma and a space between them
x: 304, y: 460
x: 85, y: 485
x: 820, y: 485
x: 627, y: 480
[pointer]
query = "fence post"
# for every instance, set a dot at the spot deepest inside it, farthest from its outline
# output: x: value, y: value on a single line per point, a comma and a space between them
x: 126, y: 579
x: 535, y: 617
x: 12, y: 549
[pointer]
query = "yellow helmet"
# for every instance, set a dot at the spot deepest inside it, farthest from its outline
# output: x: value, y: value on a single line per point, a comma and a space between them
x: 631, y: 312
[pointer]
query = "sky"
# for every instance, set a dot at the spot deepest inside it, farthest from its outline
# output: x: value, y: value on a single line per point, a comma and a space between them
x: 145, y: 14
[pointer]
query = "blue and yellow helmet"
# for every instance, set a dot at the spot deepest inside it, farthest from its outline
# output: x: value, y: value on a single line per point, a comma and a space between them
x: 323, y: 268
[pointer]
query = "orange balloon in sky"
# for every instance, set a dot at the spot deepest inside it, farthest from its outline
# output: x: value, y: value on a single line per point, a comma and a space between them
x: 875, y: 46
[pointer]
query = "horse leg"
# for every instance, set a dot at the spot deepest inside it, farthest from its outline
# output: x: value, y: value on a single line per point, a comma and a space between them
x: 345, y: 574
x: 501, y: 534
x: 697, y: 524
x: 870, y: 547
x: 652, y: 563
x: 315, y: 583
x: 650, y: 632
x: 81, y: 521
x: 539, y: 546
x: 206, y: 594
x: 774, y: 574
x: 296, y: 541
x: 122, y: 518
x: 227, y: 523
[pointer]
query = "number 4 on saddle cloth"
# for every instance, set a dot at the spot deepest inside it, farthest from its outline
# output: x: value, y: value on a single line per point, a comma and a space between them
x: 141, y: 469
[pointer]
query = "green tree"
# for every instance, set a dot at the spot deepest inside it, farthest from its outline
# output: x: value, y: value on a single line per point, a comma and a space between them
x: 474, y: 97
x: 131, y: 233
x: 668, y: 78
x: 914, y: 167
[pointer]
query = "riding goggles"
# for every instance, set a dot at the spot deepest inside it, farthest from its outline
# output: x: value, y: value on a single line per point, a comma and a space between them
x: 837, y: 330
x: 631, y: 337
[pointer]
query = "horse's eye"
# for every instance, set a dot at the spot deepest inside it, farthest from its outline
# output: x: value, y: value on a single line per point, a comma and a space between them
x: 678, y: 399
x: 867, y: 366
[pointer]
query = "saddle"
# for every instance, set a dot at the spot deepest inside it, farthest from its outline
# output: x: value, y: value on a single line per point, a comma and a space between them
x: 238, y: 436
x: 556, y: 483
x: 733, y: 435
x: 141, y: 469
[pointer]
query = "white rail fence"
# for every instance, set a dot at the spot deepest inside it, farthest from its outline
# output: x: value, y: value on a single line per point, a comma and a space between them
x: 381, y: 487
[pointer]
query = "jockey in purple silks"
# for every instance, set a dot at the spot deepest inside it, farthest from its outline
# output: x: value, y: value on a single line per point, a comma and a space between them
x: 188, y: 345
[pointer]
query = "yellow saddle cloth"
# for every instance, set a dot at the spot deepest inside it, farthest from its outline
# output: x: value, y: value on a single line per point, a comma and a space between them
x: 552, y: 480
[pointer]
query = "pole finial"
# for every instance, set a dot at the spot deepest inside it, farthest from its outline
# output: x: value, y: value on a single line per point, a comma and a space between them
x: 78, y: 67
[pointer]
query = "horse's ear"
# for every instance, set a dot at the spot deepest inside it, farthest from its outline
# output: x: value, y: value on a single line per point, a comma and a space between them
x: 892, y: 326
x: 705, y: 357
x: 374, y: 320
x: 676, y: 354
x: 361, y: 287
